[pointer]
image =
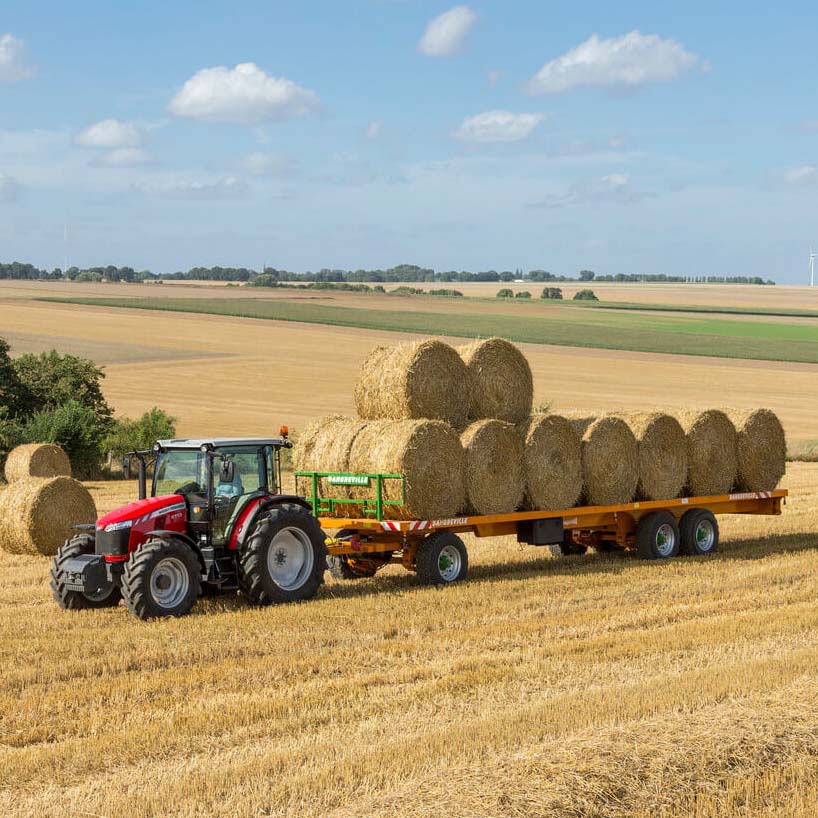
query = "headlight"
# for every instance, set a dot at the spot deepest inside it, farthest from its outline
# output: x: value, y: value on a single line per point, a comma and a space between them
x: 118, y: 526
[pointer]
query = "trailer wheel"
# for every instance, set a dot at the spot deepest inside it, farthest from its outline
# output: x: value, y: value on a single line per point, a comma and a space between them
x: 699, y: 531
x: 442, y: 559
x: 657, y: 536
x: 284, y: 557
x: 567, y: 548
x: 162, y: 578
x: 340, y: 567
x: 106, y: 597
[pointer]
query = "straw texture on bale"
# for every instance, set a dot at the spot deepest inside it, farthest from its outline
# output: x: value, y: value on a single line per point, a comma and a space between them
x: 552, y: 464
x: 501, y: 384
x: 493, y: 467
x: 429, y: 455
x: 712, y: 462
x: 761, y: 449
x: 610, y: 459
x: 662, y: 454
x: 420, y: 380
x: 325, y: 446
x: 37, y: 514
x: 37, y: 460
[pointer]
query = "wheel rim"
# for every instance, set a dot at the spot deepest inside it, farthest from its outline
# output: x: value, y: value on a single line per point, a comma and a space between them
x: 705, y: 536
x: 665, y: 540
x: 449, y: 563
x: 290, y: 558
x: 170, y: 582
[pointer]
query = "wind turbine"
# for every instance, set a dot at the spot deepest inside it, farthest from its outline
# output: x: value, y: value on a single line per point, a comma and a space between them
x: 811, y: 267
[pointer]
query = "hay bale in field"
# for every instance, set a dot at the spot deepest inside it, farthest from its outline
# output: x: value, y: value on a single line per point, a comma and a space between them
x: 501, y: 383
x: 552, y: 463
x: 712, y: 461
x: 423, y: 379
x: 662, y: 454
x: 37, y: 460
x: 610, y: 459
x: 37, y: 514
x: 493, y: 467
x: 429, y: 455
x: 761, y: 449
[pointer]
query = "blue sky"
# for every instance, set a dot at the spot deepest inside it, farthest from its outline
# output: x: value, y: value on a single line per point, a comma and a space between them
x: 622, y: 137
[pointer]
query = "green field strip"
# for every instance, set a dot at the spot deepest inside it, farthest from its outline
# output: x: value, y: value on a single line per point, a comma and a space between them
x: 708, y: 337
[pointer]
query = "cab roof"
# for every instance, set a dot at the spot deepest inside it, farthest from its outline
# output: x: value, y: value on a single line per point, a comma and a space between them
x: 219, y: 442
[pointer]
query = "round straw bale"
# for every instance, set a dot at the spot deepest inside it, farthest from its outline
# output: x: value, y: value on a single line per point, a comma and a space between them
x: 761, y: 449
x: 423, y: 379
x: 662, y: 454
x: 493, y: 467
x: 501, y: 384
x: 552, y: 463
x: 712, y: 461
x: 37, y: 460
x: 428, y: 453
x: 610, y: 459
x: 37, y: 514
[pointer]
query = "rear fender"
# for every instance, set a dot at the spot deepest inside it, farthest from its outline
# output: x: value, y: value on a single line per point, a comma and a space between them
x: 175, y: 536
x: 245, y: 523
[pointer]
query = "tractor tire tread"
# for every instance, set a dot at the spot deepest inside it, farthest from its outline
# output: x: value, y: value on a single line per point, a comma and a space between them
x: 74, y: 600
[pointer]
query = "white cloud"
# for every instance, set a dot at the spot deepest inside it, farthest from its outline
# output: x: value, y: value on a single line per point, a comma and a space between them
x: 445, y: 36
x: 111, y: 133
x: 269, y: 164
x: 189, y: 189
x: 620, y: 62
x: 244, y: 94
x: 10, y: 189
x: 806, y: 174
x: 124, y: 158
x: 615, y: 188
x: 374, y: 129
x: 498, y: 126
x: 13, y: 60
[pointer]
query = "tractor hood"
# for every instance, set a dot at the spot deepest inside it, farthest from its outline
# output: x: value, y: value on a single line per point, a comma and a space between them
x: 141, y: 511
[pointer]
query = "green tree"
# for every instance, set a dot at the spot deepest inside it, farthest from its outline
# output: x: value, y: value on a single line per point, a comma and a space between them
x: 587, y: 275
x: 129, y: 435
x: 585, y: 295
x: 506, y: 292
x: 51, y: 379
x: 552, y: 293
x: 523, y: 294
x: 13, y: 396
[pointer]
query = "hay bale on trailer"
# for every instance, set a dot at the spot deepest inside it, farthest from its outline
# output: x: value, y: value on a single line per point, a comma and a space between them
x: 493, y: 467
x: 37, y: 460
x: 501, y: 384
x: 761, y: 449
x: 610, y: 459
x: 662, y: 454
x: 417, y: 380
x: 37, y: 514
x: 712, y: 458
x: 428, y: 453
x: 552, y: 463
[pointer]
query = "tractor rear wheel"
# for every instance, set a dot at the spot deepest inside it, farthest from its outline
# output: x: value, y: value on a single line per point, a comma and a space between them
x: 106, y: 597
x: 284, y: 557
x: 162, y: 578
x: 442, y: 559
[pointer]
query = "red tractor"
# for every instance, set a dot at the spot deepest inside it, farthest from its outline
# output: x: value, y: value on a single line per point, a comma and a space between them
x: 215, y: 521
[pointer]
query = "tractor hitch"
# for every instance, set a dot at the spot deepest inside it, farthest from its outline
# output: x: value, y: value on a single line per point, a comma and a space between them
x: 86, y: 573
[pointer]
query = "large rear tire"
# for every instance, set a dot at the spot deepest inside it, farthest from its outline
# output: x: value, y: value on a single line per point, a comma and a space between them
x: 284, y: 557
x: 106, y: 597
x: 162, y: 578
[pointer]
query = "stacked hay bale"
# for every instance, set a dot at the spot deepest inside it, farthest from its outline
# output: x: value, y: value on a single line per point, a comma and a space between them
x: 761, y: 449
x: 42, y: 502
x: 662, y: 454
x: 712, y: 456
x: 493, y: 462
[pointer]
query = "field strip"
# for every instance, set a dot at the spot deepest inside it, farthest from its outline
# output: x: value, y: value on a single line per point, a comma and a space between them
x: 678, y: 335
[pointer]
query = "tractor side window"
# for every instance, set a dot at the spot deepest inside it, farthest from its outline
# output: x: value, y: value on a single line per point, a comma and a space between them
x: 246, y: 476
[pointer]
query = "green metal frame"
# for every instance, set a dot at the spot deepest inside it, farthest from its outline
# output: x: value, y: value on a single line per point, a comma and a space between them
x: 327, y: 505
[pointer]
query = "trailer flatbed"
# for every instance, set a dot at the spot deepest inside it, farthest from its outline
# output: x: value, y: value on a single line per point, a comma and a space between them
x: 656, y: 529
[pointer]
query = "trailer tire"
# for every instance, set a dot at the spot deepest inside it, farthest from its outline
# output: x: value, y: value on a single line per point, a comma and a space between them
x: 162, y: 578
x: 76, y: 600
x: 295, y: 569
x: 657, y: 536
x: 567, y: 548
x: 442, y: 559
x: 699, y: 532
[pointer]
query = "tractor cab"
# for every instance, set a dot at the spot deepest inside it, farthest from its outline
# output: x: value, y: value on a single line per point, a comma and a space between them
x: 215, y: 520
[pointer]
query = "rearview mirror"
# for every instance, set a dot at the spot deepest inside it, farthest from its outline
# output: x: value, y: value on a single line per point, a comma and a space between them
x: 126, y: 468
x: 227, y: 471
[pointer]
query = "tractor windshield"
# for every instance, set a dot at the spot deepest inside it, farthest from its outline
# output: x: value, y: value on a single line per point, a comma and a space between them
x: 176, y: 468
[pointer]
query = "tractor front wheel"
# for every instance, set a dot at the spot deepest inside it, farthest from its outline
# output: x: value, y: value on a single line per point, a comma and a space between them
x: 105, y: 597
x: 284, y: 557
x: 162, y: 578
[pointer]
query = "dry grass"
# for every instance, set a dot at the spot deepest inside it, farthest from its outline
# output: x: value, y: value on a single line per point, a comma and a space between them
x: 601, y: 686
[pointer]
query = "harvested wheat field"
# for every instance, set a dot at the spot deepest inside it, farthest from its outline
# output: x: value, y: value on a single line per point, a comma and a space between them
x: 595, y: 686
